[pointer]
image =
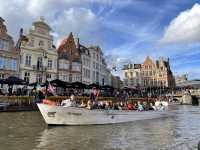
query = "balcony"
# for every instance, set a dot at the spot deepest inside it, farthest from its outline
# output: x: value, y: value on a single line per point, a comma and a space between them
x: 40, y: 68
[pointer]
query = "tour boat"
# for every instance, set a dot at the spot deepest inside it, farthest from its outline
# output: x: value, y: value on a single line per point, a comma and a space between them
x: 59, y: 115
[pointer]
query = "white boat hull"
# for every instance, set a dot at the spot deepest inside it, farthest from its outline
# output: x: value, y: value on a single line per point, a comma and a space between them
x: 58, y: 115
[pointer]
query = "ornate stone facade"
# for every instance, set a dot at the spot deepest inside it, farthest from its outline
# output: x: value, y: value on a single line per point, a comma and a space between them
x: 9, y: 56
x: 39, y: 55
x: 157, y: 74
x: 149, y: 74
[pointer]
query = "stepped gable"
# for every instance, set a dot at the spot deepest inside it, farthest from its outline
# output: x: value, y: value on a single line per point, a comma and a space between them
x: 67, y: 49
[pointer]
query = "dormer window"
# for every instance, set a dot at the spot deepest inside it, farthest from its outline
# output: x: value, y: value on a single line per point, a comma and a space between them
x: 41, y: 43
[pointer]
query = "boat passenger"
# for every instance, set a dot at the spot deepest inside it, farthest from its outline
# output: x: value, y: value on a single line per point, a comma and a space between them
x: 101, y: 105
x: 115, y: 106
x: 152, y: 107
x: 108, y: 105
x: 165, y: 104
x: 83, y: 104
x: 69, y: 102
x: 119, y: 106
x: 89, y: 105
x: 140, y: 106
x: 131, y: 106
x: 161, y: 107
x: 125, y: 107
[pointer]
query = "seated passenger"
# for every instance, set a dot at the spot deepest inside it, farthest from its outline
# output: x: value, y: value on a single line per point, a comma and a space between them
x: 115, y: 106
x: 161, y: 107
x: 101, y: 105
x: 145, y: 106
x: 83, y: 104
x: 94, y: 105
x: 107, y: 105
x: 140, y: 107
x: 69, y: 102
x: 152, y: 107
x: 131, y: 106
x: 89, y: 104
x: 121, y: 104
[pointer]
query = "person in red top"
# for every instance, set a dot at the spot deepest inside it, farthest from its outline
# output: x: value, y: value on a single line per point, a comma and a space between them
x: 131, y: 106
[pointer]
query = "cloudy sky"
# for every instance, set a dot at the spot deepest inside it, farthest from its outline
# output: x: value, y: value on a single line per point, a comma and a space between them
x: 126, y: 30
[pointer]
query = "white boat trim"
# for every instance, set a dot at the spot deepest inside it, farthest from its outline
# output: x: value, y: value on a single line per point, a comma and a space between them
x: 58, y: 115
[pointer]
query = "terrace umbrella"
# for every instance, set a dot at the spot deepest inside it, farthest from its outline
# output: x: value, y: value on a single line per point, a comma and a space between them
x: 58, y: 83
x: 106, y: 87
x: 78, y: 85
x: 93, y: 85
x: 68, y: 85
x: 36, y: 83
x: 14, y: 81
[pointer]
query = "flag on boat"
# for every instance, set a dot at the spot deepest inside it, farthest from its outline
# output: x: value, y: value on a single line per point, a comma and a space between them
x: 51, y: 89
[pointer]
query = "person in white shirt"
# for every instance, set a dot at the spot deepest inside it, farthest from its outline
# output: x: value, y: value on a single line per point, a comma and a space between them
x: 69, y: 102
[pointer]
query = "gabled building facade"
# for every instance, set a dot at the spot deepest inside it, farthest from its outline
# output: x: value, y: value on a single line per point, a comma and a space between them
x: 39, y: 56
x: 69, y: 60
x: 9, y: 56
x: 149, y: 74
x: 157, y: 74
x: 77, y: 62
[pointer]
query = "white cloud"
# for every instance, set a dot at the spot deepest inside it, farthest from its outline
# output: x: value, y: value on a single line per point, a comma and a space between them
x: 80, y: 21
x: 185, y: 28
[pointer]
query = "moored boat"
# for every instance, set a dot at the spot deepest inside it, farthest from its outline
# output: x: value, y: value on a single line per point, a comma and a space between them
x: 58, y: 115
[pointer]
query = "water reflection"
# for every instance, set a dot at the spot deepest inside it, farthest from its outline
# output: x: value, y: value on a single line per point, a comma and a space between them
x: 138, y: 135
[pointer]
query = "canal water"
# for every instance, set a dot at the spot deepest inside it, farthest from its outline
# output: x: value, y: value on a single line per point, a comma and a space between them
x: 27, y: 131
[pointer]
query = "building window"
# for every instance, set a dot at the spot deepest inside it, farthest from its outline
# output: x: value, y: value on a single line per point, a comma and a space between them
x: 14, y: 64
x: 39, y: 63
x: 65, y: 77
x: 2, y: 64
x: 50, y: 64
x: 76, y: 67
x: 28, y: 60
x: 93, y: 55
x: 93, y: 65
x: 126, y: 75
x: 41, y: 43
x: 49, y: 45
x: 131, y: 74
x: 4, y: 45
x: 93, y: 76
x: 27, y: 76
x: 97, y: 57
x: 48, y: 76
x: 97, y: 66
x: 39, y: 78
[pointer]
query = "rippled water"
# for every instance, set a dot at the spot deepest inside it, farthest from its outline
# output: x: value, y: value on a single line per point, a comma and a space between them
x: 27, y: 131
